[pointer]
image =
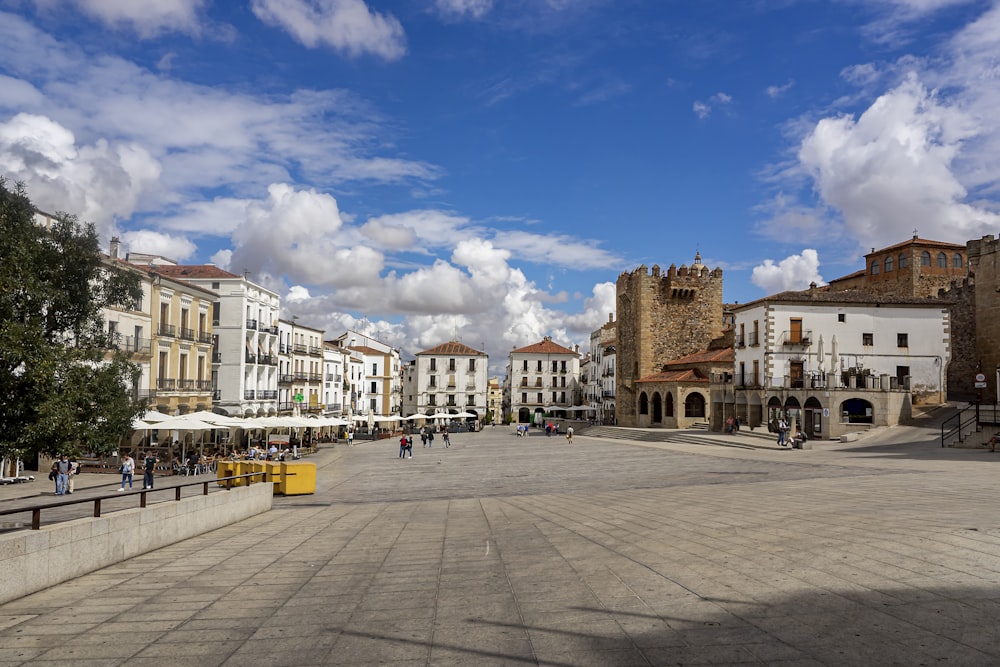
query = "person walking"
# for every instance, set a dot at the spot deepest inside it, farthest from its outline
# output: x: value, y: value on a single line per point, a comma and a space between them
x: 149, y: 466
x: 569, y: 435
x: 782, y: 430
x: 409, y: 446
x: 402, y: 446
x: 74, y: 470
x: 445, y: 435
x: 63, y: 468
x: 430, y: 438
x: 350, y: 437
x: 127, y: 469
x: 423, y: 435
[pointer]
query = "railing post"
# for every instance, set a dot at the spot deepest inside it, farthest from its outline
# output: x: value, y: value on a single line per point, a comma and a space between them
x: 36, y: 518
x: 204, y: 491
x: 177, y: 493
x: 97, y: 508
x: 142, y: 499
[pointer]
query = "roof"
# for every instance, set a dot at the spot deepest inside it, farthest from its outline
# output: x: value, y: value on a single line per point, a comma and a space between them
x: 851, y: 297
x: 675, y: 376
x: 857, y: 274
x: 545, y: 347
x: 453, y: 347
x: 364, y: 349
x: 921, y: 242
x: 724, y: 355
x: 191, y: 271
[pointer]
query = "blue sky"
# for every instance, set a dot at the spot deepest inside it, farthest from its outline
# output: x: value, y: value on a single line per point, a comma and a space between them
x: 485, y: 169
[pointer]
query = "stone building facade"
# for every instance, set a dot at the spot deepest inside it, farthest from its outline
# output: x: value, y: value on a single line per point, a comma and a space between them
x: 914, y: 268
x: 984, y: 263
x: 662, y: 317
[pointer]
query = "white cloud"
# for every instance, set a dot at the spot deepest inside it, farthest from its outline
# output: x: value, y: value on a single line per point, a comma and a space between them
x: 156, y: 243
x: 890, y: 170
x: 349, y: 26
x: 146, y: 18
x: 556, y: 250
x: 99, y: 182
x: 474, y: 9
x: 704, y: 109
x: 701, y: 110
x: 775, y: 92
x: 795, y: 272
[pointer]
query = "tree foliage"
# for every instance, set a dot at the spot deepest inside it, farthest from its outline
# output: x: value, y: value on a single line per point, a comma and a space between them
x: 63, y: 387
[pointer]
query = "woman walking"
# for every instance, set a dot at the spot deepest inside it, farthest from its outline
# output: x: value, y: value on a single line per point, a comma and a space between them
x: 127, y: 468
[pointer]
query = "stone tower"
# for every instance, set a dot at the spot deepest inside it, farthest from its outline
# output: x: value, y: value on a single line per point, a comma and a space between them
x: 662, y: 317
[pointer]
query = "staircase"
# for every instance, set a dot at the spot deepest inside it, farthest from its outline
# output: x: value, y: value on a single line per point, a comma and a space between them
x: 657, y: 435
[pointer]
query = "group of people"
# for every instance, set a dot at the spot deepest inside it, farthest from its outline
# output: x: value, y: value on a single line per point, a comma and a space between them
x: 426, y: 439
x: 782, y: 429
x: 62, y: 473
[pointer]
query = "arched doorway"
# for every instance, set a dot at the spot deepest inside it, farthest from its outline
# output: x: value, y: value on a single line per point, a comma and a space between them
x: 657, y: 408
x: 793, y: 412
x: 523, y: 416
x: 643, y: 404
x: 670, y: 404
x: 774, y: 413
x: 694, y: 406
x: 813, y: 420
x: 857, y: 411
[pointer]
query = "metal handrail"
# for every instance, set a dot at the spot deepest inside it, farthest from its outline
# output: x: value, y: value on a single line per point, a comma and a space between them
x: 36, y: 510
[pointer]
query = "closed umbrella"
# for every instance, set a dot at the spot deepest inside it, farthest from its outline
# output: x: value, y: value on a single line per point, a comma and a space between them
x: 820, y: 356
x: 834, y: 359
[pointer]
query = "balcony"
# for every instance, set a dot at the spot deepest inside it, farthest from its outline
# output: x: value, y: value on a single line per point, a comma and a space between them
x: 286, y: 406
x: 249, y: 394
x: 740, y: 341
x: 335, y: 408
x: 284, y: 349
x: 267, y: 359
x: 286, y: 378
x: 216, y: 357
x: 315, y: 377
x: 186, y: 334
x: 216, y: 395
x: 607, y: 394
x: 204, y: 337
x: 131, y: 344
x: 301, y: 376
x: 799, y: 338
x: 300, y: 348
x: 268, y: 329
x: 203, y: 385
x: 166, y: 384
x: 143, y: 394
x: 251, y: 358
x: 167, y: 330
x: 267, y: 394
x: 251, y: 325
x: 315, y: 351
x: 753, y: 339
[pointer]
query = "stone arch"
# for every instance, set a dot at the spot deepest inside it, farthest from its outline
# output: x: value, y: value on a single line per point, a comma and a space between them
x: 668, y: 409
x: 657, y: 408
x: 888, y: 264
x: 956, y: 261
x: 857, y: 411
x: 942, y: 261
x: 925, y: 258
x: 523, y: 416
x: 643, y: 404
x: 694, y: 405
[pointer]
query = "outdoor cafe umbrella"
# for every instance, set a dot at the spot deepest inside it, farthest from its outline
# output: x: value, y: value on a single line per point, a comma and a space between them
x: 181, y: 423
x: 834, y: 359
x: 820, y: 356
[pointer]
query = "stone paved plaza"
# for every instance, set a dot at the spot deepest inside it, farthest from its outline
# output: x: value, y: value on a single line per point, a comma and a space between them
x: 504, y: 550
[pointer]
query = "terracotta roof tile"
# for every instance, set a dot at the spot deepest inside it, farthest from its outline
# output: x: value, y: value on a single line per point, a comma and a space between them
x: 453, y: 347
x: 846, y: 297
x: 675, y: 376
x: 545, y: 347
x: 191, y: 272
x: 921, y: 242
x: 364, y: 349
x: 723, y: 355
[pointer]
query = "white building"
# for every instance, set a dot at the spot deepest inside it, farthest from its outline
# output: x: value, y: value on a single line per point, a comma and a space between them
x: 300, y: 368
x: 335, y: 389
x: 544, y: 379
x: 451, y: 377
x: 245, y: 324
x: 835, y: 361
x: 600, y: 388
x: 382, y: 391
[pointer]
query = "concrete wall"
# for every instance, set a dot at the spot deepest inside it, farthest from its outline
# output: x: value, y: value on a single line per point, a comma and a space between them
x: 33, y: 560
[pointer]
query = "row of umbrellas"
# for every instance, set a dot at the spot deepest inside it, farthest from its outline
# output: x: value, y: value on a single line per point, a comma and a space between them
x: 204, y: 420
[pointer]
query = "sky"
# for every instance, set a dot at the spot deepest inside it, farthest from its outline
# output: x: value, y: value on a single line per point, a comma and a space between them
x: 483, y: 170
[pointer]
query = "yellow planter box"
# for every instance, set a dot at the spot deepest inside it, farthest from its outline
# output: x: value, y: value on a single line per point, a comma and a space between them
x: 296, y: 478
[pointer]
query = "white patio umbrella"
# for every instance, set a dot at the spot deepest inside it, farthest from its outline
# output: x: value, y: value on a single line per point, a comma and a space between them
x: 834, y: 358
x: 154, y: 416
x: 820, y: 356
x: 181, y: 423
x: 464, y: 415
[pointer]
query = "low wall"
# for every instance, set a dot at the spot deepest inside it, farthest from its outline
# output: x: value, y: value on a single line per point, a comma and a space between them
x: 33, y: 560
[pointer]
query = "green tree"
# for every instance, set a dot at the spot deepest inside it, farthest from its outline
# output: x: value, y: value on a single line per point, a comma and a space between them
x: 64, y: 387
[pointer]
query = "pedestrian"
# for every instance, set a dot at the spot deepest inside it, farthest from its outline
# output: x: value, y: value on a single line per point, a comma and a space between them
x: 569, y: 435
x: 430, y: 438
x: 446, y: 437
x: 127, y: 468
x: 729, y: 425
x: 423, y: 435
x: 409, y: 446
x: 350, y: 437
x: 548, y: 430
x: 782, y: 430
x: 993, y: 443
x: 149, y: 465
x: 736, y: 423
x: 62, y: 467
x: 402, y: 446
x: 74, y: 470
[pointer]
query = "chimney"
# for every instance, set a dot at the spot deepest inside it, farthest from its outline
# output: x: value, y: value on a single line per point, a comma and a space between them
x: 115, y: 247
x: 611, y: 317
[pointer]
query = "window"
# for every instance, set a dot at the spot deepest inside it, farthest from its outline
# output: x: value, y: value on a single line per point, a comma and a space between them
x: 868, y: 339
x: 451, y: 399
x: 434, y: 365
x: 433, y: 381
x: 524, y: 398
x: 215, y: 285
x: 902, y: 261
x: 472, y: 365
x: 956, y: 261
x: 554, y: 398
x: 874, y: 268
x: 903, y: 340
x: 374, y: 389
x: 374, y: 369
x: 372, y: 404
x: 888, y: 264
x: 925, y: 258
x: 524, y: 367
x: 540, y: 400
x: 432, y: 400
x: 841, y: 317
x: 562, y: 397
x: 942, y: 261
x: 451, y: 365
x: 563, y: 366
x: 538, y: 366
